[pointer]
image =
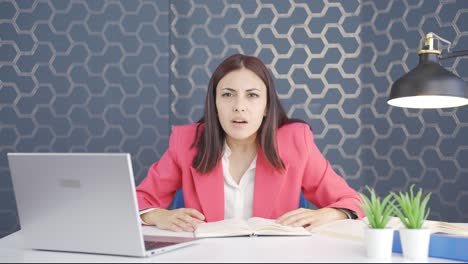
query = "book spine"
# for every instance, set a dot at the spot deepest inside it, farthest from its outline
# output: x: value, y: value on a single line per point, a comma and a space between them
x: 440, y: 246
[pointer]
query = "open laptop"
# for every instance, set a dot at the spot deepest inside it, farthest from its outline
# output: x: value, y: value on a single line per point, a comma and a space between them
x: 82, y: 202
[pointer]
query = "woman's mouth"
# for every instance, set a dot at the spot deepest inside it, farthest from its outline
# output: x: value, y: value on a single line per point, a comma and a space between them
x: 239, y: 123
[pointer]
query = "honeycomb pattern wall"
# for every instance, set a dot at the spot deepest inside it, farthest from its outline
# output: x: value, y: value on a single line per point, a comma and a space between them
x: 82, y: 76
x: 114, y: 76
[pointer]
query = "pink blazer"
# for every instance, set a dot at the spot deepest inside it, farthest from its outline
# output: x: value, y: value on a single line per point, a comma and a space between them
x: 275, y: 192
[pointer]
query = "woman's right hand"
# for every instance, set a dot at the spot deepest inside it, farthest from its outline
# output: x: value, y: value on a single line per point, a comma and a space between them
x: 178, y: 220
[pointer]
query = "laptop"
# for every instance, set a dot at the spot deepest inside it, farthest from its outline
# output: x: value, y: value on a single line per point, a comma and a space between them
x: 82, y: 202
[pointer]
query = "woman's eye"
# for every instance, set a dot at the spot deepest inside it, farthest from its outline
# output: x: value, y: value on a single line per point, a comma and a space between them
x: 253, y: 95
x: 226, y: 94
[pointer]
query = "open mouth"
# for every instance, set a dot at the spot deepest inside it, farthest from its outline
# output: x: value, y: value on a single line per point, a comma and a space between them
x: 239, y: 122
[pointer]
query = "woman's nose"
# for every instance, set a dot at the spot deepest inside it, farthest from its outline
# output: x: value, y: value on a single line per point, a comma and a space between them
x: 239, y: 106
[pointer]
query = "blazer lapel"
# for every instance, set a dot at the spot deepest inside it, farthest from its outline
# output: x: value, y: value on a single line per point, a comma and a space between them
x: 210, y: 190
x: 268, y: 181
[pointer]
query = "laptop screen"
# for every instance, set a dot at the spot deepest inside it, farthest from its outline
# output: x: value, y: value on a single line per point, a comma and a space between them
x: 80, y: 202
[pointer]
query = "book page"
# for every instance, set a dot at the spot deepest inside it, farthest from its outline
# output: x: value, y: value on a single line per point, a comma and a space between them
x: 263, y: 226
x: 224, y: 228
x: 434, y: 226
x: 446, y: 228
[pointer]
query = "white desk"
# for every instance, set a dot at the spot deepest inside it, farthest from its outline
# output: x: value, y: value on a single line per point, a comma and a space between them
x: 316, y: 248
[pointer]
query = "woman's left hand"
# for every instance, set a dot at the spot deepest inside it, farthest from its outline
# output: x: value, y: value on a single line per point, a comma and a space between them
x: 310, y: 218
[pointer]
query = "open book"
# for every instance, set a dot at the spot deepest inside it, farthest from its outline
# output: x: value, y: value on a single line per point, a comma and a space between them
x: 255, y: 226
x: 347, y: 228
x: 435, y: 227
x: 354, y: 229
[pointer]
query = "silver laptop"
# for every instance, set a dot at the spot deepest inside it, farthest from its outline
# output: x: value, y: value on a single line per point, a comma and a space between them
x: 82, y: 202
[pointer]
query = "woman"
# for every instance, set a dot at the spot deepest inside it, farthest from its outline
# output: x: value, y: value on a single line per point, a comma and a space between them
x: 244, y: 158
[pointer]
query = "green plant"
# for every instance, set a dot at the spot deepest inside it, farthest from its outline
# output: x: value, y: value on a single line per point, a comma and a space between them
x: 378, y: 212
x: 412, y: 209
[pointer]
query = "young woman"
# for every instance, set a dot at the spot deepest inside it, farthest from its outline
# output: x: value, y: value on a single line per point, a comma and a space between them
x: 244, y: 158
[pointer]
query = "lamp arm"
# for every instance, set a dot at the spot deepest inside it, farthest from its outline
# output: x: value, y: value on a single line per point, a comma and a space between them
x: 453, y: 54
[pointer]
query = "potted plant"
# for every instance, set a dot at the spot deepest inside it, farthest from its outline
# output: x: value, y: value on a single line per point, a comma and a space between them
x: 378, y: 237
x: 413, y: 211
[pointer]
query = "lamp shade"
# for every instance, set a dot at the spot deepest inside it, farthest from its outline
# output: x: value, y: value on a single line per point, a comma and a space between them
x: 429, y: 85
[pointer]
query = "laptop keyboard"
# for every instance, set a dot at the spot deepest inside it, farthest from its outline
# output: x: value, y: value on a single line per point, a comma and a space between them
x: 150, y: 245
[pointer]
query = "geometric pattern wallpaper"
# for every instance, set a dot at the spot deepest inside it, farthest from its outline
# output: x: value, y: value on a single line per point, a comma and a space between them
x: 82, y: 76
x: 114, y: 76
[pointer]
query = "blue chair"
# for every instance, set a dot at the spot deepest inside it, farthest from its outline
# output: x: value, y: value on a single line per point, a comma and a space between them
x: 178, y: 201
x: 303, y: 203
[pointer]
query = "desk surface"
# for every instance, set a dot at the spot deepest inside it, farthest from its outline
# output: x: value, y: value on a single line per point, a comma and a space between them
x: 315, y: 248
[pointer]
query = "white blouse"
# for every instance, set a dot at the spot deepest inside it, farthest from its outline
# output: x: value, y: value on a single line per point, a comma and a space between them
x: 238, y: 198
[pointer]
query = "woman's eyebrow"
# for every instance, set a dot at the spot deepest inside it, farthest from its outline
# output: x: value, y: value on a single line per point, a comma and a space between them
x: 229, y: 89
x: 253, y: 89
x: 234, y: 90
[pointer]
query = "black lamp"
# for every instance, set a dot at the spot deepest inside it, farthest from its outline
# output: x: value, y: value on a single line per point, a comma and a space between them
x: 429, y: 85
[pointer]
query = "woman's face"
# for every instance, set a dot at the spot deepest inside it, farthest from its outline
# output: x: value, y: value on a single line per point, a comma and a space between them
x: 241, y: 100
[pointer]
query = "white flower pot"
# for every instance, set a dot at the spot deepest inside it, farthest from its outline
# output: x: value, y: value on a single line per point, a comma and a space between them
x: 379, y: 243
x: 415, y: 243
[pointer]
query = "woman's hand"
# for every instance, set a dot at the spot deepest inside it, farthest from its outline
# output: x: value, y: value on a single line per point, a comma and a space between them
x: 309, y: 218
x: 178, y: 220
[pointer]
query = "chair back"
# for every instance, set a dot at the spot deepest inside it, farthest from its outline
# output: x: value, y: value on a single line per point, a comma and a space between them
x: 303, y: 203
x: 178, y: 201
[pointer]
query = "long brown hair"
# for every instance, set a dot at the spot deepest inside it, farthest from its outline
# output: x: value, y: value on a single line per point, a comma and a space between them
x: 210, y: 143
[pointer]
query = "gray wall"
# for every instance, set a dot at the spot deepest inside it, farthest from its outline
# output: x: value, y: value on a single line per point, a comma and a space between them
x: 113, y: 76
